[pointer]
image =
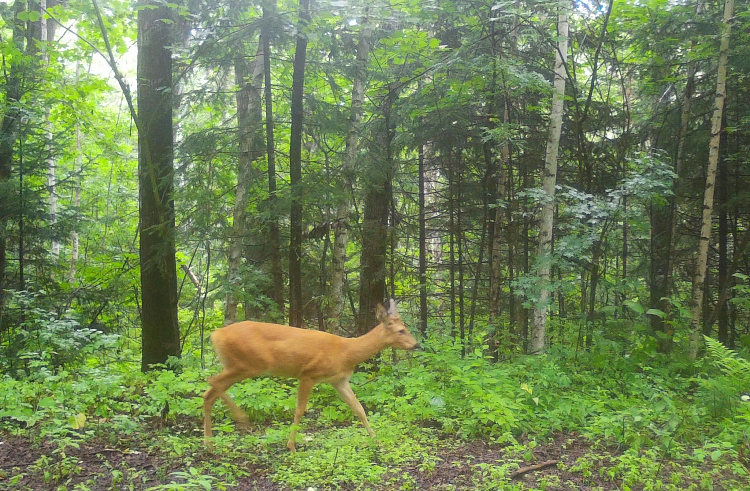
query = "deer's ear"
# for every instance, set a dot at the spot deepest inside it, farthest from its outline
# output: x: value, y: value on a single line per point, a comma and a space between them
x: 381, y: 314
x: 392, y: 309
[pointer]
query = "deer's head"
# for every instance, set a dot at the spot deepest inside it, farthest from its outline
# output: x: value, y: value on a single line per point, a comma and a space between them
x: 397, y: 335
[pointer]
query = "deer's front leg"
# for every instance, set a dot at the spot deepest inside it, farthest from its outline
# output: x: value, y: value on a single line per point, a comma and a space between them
x: 345, y: 391
x: 303, y: 394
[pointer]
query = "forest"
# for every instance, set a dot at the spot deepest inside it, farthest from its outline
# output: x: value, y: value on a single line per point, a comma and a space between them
x: 529, y: 218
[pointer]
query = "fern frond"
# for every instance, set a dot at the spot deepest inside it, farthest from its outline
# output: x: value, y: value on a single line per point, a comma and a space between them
x: 728, y: 361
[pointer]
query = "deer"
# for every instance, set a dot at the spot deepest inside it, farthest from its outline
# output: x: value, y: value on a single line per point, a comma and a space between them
x: 249, y: 349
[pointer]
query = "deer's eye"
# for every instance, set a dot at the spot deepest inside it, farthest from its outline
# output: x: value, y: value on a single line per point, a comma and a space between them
x: 402, y: 331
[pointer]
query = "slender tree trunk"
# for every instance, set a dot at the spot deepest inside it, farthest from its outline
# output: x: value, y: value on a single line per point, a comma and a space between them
x: 422, y: 247
x: 513, y: 235
x: 722, y: 304
x: 249, y: 117
x: 295, y: 168
x: 160, y: 329
x: 273, y: 235
x: 685, y: 116
x: 595, y: 276
x: 8, y: 136
x: 538, y: 334
x: 50, y: 153
x: 452, y: 246
x: 459, y: 250
x: 74, y: 238
x: 500, y: 194
x: 487, y: 194
x: 375, y: 221
x: 708, y: 196
x: 660, y: 259
x: 624, y: 251
x: 523, y: 311
x: 337, y: 295
x: 664, y: 224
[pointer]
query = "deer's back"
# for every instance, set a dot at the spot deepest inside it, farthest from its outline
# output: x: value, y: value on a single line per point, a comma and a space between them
x: 257, y: 348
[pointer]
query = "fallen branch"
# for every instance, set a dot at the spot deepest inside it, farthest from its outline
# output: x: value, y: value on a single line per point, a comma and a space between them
x: 535, y: 467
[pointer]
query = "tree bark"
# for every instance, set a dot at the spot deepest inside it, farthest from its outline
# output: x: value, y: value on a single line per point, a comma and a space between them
x: 375, y: 221
x: 452, y: 245
x: 664, y: 221
x: 249, y: 116
x: 337, y: 295
x: 8, y: 137
x: 46, y: 33
x: 422, y: 247
x: 538, y: 335
x: 160, y: 330
x: 74, y: 238
x: 295, y: 168
x: 273, y: 235
x: 722, y: 303
x: 460, y: 253
x: 708, y: 194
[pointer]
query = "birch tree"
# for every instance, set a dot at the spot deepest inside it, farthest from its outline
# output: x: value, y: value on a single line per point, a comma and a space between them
x: 341, y: 223
x: 538, y: 336
x: 708, y: 193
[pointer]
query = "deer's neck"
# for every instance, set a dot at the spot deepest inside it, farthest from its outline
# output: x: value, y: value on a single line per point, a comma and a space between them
x: 365, y: 347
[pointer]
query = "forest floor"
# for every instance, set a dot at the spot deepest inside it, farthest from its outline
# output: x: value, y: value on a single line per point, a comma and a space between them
x: 564, y: 462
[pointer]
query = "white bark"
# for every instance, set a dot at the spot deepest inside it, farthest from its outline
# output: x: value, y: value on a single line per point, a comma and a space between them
x: 708, y: 193
x: 538, y: 335
x: 51, y: 163
x: 341, y: 223
x: 75, y: 241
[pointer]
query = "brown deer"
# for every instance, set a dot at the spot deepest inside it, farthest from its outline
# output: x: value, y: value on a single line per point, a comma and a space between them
x: 249, y: 349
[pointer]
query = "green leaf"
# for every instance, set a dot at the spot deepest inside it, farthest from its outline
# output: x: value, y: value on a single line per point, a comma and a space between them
x: 658, y: 313
x: 634, y: 306
x: 46, y: 403
x: 78, y: 421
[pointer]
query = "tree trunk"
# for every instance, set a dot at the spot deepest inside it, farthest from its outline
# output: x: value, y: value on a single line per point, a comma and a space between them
x: 337, y: 295
x: 660, y: 258
x: 249, y: 117
x: 8, y: 136
x: 45, y: 37
x: 499, y: 212
x: 459, y: 249
x: 722, y: 303
x: 375, y: 221
x: 160, y: 336
x: 708, y: 196
x: 452, y: 246
x: 273, y: 233
x: 295, y: 168
x: 74, y: 238
x: 538, y: 335
x: 664, y: 221
x: 422, y: 247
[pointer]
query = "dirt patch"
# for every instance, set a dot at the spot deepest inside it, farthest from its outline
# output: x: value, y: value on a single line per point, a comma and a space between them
x: 480, y: 464
x: 28, y: 465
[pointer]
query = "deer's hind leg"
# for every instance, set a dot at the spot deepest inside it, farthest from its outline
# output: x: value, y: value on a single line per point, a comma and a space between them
x: 219, y: 385
x: 238, y: 414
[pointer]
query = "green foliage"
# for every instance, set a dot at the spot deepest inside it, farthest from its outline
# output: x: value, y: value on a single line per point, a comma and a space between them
x: 420, y: 407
